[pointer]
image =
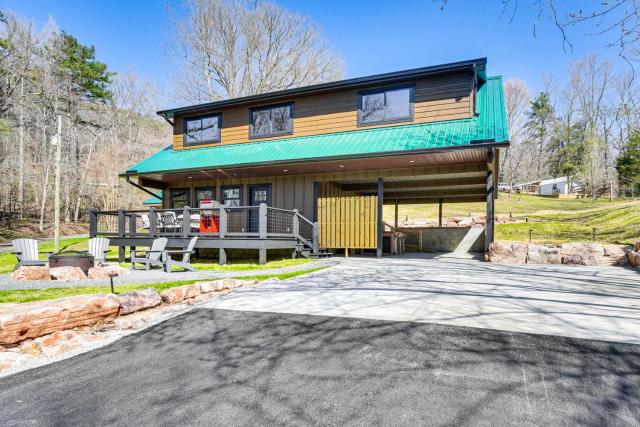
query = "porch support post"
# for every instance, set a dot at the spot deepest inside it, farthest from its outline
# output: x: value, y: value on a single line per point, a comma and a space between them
x: 262, y: 231
x: 93, y: 223
x: 489, y: 228
x: 395, y: 222
x: 440, y: 213
x: 186, y: 222
x: 121, y: 224
x: 380, y: 226
x: 221, y: 233
x: 316, y: 193
x: 132, y: 228
x: 153, y: 222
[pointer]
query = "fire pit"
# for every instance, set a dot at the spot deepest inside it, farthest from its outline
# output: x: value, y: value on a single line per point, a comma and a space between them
x: 84, y: 260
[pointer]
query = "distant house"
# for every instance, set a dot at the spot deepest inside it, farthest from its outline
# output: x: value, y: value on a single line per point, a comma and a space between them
x: 553, y: 186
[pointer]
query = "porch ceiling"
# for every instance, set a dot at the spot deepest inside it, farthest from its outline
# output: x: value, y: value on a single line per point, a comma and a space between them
x: 445, y: 158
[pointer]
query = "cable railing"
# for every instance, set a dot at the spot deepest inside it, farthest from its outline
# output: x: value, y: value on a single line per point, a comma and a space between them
x: 252, y: 222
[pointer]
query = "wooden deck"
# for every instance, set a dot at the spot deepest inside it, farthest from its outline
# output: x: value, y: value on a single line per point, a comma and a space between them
x: 243, y: 227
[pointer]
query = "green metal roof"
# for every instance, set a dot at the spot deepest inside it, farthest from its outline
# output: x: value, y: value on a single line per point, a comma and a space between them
x: 157, y: 200
x: 489, y: 125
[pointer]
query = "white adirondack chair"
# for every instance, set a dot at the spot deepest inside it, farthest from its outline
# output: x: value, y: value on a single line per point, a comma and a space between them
x: 98, y: 248
x: 155, y: 256
x: 26, y: 250
x: 186, y: 255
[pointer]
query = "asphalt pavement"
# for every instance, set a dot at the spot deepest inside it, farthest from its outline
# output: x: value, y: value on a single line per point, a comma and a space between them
x: 222, y: 367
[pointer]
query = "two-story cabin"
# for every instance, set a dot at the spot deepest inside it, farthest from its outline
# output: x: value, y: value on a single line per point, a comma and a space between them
x: 322, y: 160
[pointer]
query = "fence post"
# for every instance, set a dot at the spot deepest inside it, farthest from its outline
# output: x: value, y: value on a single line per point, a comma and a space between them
x: 295, y: 224
x: 262, y: 221
x: 186, y: 222
x: 153, y: 222
x: 132, y: 224
x: 93, y: 223
x: 121, y: 225
x: 316, y: 238
x: 223, y: 222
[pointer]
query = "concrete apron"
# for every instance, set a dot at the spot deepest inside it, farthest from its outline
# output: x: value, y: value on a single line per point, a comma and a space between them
x: 600, y: 303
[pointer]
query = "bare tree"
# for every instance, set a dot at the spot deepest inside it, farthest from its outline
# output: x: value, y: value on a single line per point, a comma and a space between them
x: 232, y: 48
x: 516, y: 161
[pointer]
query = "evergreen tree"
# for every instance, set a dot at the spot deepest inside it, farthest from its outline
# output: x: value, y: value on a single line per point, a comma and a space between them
x: 566, y: 151
x: 540, y: 120
x: 628, y: 165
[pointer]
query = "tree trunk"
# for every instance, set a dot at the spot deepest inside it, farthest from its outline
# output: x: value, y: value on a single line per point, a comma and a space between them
x: 21, y: 151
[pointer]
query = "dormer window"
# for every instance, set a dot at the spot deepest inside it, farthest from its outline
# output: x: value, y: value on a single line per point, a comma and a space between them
x: 269, y: 121
x: 202, y: 130
x: 385, y: 106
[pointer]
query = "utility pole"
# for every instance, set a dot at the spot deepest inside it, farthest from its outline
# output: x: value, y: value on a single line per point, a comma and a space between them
x: 57, y: 141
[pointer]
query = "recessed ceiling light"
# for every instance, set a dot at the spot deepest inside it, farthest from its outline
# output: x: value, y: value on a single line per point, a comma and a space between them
x: 235, y: 174
x: 411, y: 161
x: 189, y: 177
x: 285, y: 170
x: 341, y: 166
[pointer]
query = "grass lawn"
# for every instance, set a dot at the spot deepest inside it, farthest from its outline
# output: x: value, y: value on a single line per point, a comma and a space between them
x: 8, y: 260
x: 29, y: 295
x: 551, y: 220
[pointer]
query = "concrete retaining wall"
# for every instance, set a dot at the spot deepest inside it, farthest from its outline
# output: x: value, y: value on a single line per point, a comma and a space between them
x: 445, y: 239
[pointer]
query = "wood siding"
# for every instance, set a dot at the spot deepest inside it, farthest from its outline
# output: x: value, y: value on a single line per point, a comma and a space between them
x: 346, y: 219
x: 437, y: 98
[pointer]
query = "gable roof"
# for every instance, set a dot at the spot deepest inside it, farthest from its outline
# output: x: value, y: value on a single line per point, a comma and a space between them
x: 488, y: 126
x: 476, y: 65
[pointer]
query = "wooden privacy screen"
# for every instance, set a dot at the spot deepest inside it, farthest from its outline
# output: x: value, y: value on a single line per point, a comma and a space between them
x: 346, y: 219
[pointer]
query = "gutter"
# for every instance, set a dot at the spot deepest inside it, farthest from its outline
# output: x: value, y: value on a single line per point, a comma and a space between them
x: 473, y: 146
x: 138, y: 186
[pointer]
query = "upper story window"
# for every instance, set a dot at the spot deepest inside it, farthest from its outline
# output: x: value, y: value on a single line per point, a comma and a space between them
x: 271, y: 121
x: 202, y: 129
x: 385, y: 106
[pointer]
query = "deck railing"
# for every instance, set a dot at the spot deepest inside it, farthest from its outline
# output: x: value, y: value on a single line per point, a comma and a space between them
x: 251, y: 222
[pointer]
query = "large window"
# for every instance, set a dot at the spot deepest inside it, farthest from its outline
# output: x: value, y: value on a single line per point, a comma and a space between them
x: 386, y: 106
x: 271, y: 121
x: 204, y: 193
x: 202, y: 129
x: 232, y: 196
x: 179, y: 198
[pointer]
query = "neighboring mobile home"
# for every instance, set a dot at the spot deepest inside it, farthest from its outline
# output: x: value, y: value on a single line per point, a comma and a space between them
x: 334, y: 152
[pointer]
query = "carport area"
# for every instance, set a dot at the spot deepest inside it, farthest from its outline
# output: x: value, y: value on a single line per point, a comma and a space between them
x: 601, y: 303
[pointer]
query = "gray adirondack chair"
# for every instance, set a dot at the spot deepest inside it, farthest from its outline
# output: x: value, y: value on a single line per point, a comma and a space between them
x: 157, y: 255
x: 98, y: 248
x: 26, y: 250
x: 186, y: 256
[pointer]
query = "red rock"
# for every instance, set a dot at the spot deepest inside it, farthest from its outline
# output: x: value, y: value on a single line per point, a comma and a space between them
x: 213, y: 286
x: 19, y: 322
x: 580, y: 259
x: 67, y: 273
x: 180, y: 293
x: 98, y: 273
x: 115, y: 269
x: 64, y: 341
x: 507, y: 252
x: 139, y: 300
x: 634, y: 258
x: 582, y: 248
x: 31, y: 273
x: 539, y: 254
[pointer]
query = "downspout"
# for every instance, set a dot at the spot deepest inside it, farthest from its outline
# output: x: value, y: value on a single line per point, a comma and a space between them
x: 128, y: 179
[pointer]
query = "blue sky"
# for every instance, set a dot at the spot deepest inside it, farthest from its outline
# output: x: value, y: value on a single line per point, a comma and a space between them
x: 372, y: 36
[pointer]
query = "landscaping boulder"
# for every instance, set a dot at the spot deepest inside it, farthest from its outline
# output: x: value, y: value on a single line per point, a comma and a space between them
x: 634, y: 258
x: 507, y: 252
x: 582, y: 248
x: 67, y: 273
x: 31, y: 273
x: 10, y: 360
x: 539, y: 254
x: 64, y: 341
x: 180, y: 293
x: 580, y: 259
x: 213, y: 286
x: 98, y: 273
x: 115, y: 269
x: 465, y: 222
x: 139, y: 300
x: 35, y: 319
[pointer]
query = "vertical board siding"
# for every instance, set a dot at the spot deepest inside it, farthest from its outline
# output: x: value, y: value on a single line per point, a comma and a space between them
x: 347, y: 220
